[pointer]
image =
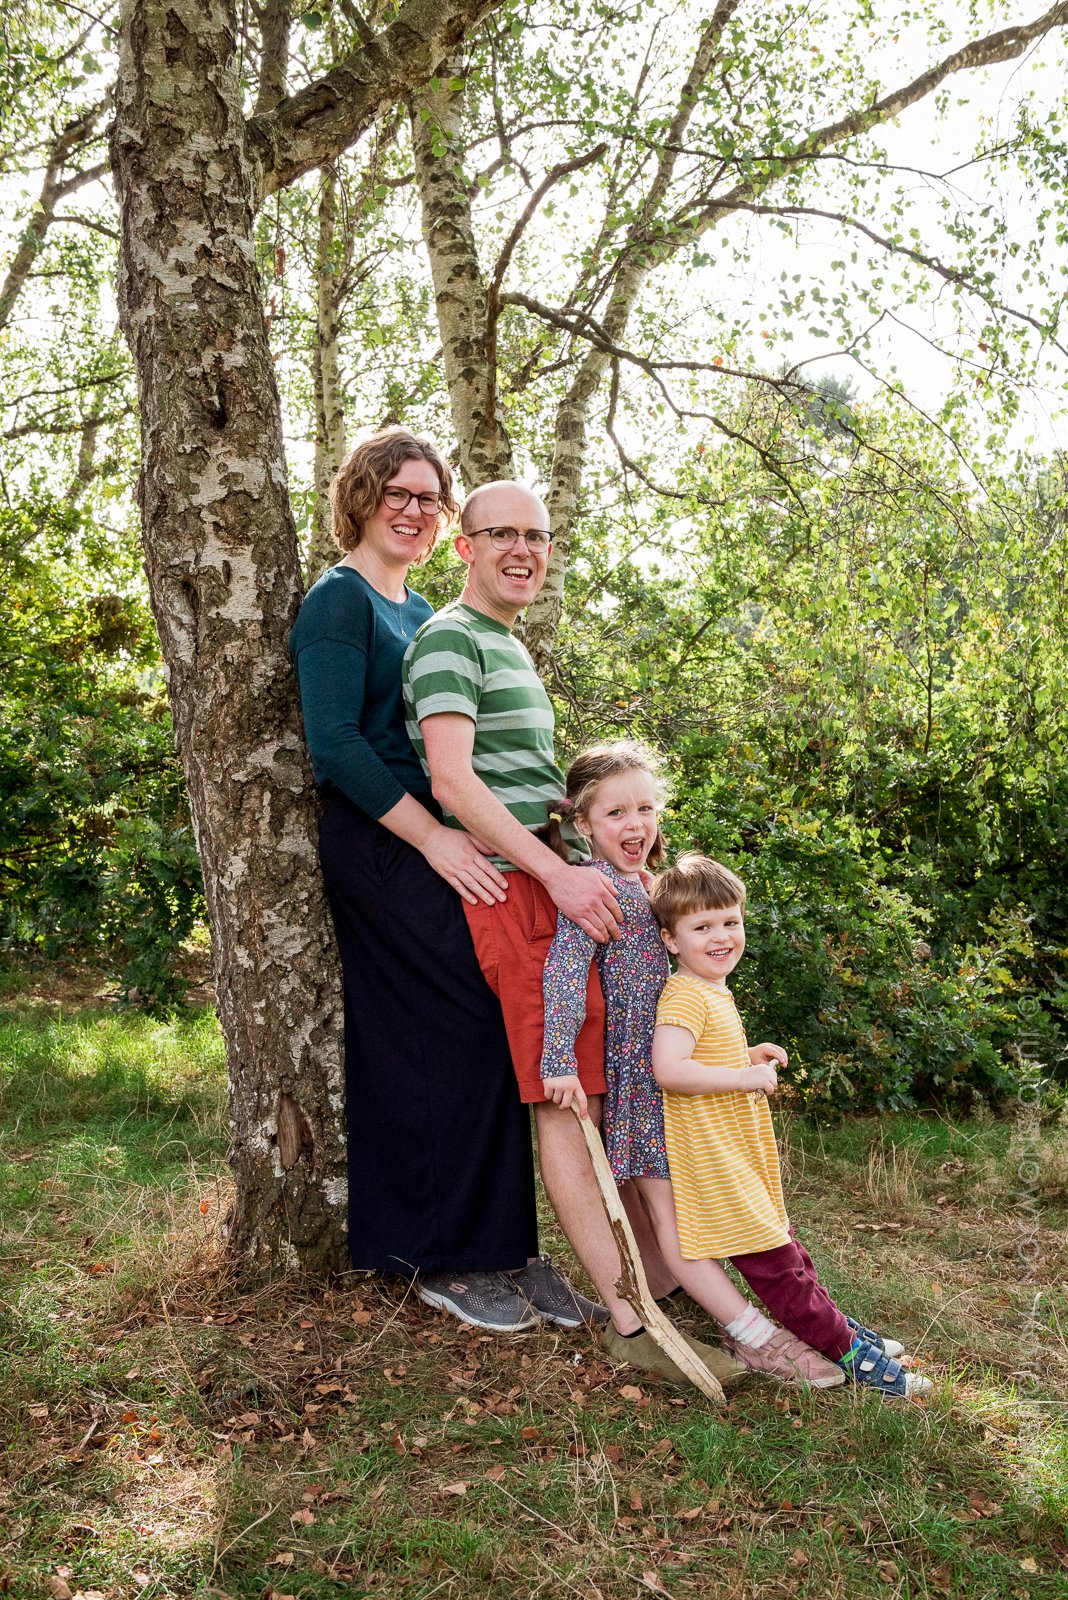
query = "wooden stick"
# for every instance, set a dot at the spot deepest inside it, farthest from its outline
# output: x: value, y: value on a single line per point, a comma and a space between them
x: 632, y: 1285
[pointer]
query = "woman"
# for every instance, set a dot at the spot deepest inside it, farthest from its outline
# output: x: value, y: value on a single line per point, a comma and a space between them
x: 440, y: 1169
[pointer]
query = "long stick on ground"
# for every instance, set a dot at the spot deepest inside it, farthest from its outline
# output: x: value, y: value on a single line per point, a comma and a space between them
x: 632, y: 1286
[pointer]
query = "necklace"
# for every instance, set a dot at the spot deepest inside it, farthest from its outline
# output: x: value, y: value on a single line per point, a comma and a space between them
x: 397, y: 608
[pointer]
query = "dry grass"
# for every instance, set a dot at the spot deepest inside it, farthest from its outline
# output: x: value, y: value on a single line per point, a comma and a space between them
x: 170, y: 1435
x: 890, y: 1179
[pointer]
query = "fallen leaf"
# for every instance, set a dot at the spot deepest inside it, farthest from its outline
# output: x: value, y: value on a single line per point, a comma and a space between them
x: 455, y: 1488
x: 495, y: 1473
x: 284, y: 1558
x: 60, y: 1589
x: 303, y: 1515
x: 1028, y: 1564
x: 630, y: 1391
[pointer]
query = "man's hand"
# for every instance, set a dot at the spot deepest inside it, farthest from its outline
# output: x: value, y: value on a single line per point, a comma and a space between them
x: 461, y: 861
x: 760, y: 1078
x: 564, y: 1088
x: 587, y: 897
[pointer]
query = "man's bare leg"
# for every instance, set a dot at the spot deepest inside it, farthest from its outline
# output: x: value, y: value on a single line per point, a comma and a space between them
x: 659, y: 1273
x: 572, y: 1189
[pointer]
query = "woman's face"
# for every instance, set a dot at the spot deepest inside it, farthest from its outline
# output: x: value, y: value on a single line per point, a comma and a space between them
x: 399, y: 535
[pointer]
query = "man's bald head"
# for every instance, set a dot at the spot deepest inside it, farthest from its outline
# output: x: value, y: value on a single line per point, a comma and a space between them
x: 502, y: 504
x: 501, y: 582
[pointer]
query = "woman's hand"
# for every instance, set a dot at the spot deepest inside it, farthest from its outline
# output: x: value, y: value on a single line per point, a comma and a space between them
x: 563, y: 1089
x: 459, y: 859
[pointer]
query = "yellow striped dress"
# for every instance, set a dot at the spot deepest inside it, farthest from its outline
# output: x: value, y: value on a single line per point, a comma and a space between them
x: 720, y: 1147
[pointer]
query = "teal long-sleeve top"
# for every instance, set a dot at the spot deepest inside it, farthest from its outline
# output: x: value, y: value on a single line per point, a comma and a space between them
x: 348, y: 643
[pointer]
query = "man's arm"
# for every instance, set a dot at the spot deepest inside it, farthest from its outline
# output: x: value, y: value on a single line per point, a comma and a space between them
x: 579, y: 892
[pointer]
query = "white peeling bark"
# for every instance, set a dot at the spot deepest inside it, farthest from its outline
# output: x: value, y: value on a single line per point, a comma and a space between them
x: 459, y: 286
x: 222, y: 560
x: 326, y: 381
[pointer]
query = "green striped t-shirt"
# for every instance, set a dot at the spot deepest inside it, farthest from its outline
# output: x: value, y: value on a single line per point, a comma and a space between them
x: 463, y: 661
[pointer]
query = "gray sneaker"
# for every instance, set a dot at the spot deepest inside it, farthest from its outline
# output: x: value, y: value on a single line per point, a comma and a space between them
x: 483, y: 1299
x: 546, y: 1289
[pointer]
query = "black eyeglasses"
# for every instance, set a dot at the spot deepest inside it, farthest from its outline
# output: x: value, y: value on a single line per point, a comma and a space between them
x: 536, y: 539
x: 399, y: 499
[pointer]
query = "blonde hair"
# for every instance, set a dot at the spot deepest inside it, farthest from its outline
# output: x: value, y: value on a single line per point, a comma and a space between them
x: 586, y: 774
x: 695, y: 883
x: 357, y: 488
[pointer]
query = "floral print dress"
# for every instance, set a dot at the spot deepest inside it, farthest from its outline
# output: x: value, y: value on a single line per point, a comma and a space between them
x: 633, y: 970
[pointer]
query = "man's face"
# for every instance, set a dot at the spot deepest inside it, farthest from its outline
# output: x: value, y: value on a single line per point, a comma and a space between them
x: 500, y: 582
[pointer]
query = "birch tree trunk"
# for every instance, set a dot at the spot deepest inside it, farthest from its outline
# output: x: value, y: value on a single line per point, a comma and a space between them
x: 221, y: 555
x: 222, y: 560
x: 459, y: 286
x: 326, y: 382
x: 542, y: 623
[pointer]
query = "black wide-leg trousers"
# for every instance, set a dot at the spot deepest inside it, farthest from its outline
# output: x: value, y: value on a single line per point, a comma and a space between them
x: 441, y: 1175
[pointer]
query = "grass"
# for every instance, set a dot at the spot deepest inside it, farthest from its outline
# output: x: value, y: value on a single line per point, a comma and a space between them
x: 166, y: 1434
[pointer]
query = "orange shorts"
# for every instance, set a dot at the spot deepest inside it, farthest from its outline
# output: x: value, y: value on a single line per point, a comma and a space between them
x: 512, y: 940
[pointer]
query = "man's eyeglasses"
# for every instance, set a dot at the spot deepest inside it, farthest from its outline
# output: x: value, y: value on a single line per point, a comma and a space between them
x: 399, y: 499
x: 536, y: 539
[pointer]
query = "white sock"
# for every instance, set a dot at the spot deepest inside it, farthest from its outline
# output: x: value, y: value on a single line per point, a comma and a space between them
x: 751, y: 1328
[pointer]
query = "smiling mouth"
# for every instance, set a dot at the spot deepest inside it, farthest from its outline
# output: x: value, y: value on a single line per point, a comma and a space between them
x: 405, y: 530
x: 633, y: 847
x: 520, y: 573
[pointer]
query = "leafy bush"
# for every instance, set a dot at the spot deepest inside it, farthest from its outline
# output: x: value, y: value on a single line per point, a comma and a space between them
x: 96, y: 851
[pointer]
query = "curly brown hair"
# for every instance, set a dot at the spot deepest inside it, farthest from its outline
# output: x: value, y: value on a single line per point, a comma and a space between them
x: 356, y: 491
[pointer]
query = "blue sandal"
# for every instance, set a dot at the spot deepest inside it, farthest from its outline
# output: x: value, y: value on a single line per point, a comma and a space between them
x: 869, y: 1364
x: 889, y: 1347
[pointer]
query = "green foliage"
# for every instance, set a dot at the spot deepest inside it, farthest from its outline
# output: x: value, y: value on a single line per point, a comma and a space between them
x: 861, y: 692
x: 96, y: 853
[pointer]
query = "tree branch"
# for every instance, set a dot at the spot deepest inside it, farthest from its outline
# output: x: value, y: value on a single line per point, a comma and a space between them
x: 312, y: 128
x: 53, y: 188
x: 493, y: 295
x: 88, y: 222
x: 274, y: 21
x: 1004, y: 45
x: 953, y: 275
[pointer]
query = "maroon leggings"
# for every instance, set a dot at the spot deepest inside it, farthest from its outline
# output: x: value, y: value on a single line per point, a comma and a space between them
x: 786, y: 1281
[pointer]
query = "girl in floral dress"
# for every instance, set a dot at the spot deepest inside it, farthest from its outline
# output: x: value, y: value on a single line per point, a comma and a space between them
x: 613, y: 795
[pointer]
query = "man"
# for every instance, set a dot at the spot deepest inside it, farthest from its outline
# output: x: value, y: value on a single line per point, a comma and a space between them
x: 482, y: 725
